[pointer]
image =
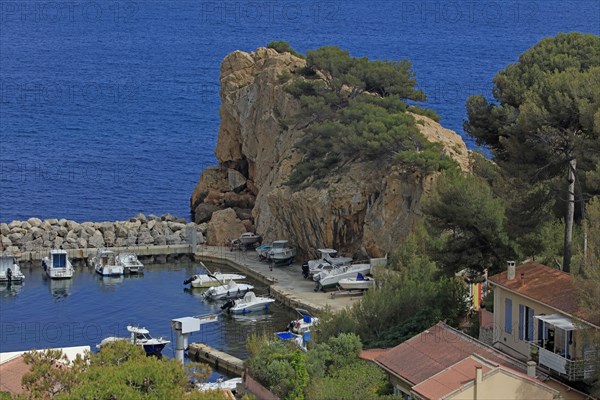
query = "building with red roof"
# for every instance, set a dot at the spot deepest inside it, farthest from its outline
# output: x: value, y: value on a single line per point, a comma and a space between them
x: 537, y: 316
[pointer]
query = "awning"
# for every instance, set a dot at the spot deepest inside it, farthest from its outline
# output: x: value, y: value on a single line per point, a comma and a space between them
x: 559, y: 321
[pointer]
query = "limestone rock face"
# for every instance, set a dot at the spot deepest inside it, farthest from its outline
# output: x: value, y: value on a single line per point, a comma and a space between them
x: 366, y: 210
x: 223, y: 227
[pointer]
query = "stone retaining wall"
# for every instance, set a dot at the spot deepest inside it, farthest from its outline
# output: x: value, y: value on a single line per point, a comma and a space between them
x: 37, y: 235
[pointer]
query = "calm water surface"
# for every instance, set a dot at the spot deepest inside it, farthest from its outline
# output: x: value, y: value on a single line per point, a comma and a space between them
x: 44, y: 313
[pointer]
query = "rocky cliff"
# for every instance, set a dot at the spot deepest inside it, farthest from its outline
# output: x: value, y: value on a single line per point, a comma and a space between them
x: 363, y: 211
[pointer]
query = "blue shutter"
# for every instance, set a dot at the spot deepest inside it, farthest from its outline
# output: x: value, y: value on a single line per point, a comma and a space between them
x: 522, y: 321
x: 508, y: 315
x: 530, y: 324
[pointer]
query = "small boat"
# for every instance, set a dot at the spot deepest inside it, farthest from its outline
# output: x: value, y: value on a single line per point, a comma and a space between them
x: 329, y: 260
x: 140, y: 337
x: 57, y: 265
x: 263, y: 250
x: 10, y: 270
x: 281, y: 253
x: 105, y: 263
x: 245, y: 241
x: 330, y: 279
x: 249, y: 303
x: 130, y: 263
x: 361, y: 282
x: 299, y: 339
x: 209, y: 280
x: 305, y: 323
x: 231, y: 290
x: 220, y: 384
x: 249, y: 238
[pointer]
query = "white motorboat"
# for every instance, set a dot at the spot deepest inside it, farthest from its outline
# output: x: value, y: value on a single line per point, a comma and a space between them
x: 130, y: 263
x: 249, y: 238
x: 249, y: 303
x: 299, y: 339
x: 360, y: 282
x: 281, y: 252
x: 329, y: 256
x: 330, y: 279
x: 140, y: 337
x: 209, y: 280
x: 57, y: 265
x: 220, y: 384
x: 231, y: 290
x: 105, y: 263
x: 305, y: 323
x: 328, y: 260
x: 10, y: 270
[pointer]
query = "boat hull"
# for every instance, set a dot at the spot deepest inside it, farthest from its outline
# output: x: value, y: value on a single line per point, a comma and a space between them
x: 110, y: 271
x: 331, y: 280
x: 251, y: 308
x: 353, y: 284
x: 59, y: 274
x: 205, y: 281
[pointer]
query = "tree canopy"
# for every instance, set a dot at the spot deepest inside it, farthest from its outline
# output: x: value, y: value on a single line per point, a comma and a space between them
x: 355, y: 109
x: 120, y: 371
x: 545, y: 124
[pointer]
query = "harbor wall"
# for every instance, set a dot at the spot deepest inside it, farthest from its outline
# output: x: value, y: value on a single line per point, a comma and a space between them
x: 146, y: 236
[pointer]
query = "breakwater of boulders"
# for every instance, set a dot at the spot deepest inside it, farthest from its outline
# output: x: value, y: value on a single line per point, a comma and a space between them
x: 39, y: 235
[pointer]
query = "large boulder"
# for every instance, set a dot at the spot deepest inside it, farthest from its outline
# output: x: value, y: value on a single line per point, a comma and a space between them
x: 203, y: 212
x: 366, y: 209
x: 223, y: 227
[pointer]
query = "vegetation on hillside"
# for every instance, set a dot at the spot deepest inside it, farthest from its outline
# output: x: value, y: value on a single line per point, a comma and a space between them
x: 355, y: 109
x: 330, y: 369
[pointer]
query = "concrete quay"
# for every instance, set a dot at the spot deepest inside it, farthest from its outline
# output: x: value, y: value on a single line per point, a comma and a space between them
x: 287, y: 285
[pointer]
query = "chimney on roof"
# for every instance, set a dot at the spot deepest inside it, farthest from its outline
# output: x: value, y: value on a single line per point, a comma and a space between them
x: 522, y: 279
x: 531, y: 369
x: 478, y: 380
x: 510, y: 271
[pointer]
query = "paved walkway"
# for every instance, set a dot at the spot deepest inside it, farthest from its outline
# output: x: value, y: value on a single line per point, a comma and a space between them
x: 287, y: 285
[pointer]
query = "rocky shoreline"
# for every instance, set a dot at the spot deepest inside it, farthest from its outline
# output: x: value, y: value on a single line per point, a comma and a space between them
x: 41, y: 235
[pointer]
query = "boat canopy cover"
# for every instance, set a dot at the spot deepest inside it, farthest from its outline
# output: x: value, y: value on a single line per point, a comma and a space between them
x: 307, y: 319
x: 360, y: 277
x: 557, y: 320
x: 135, y: 329
x: 249, y: 297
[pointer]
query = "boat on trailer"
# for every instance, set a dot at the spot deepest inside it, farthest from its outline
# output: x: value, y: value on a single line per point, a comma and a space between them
x: 360, y: 282
x: 330, y: 279
x: 57, y: 264
x: 281, y: 253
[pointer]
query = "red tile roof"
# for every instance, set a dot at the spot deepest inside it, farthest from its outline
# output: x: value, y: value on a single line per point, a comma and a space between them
x: 11, y: 373
x: 436, y: 349
x: 371, y: 354
x: 450, y: 379
x: 545, y: 285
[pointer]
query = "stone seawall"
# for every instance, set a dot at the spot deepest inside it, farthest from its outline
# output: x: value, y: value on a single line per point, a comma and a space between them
x: 36, y: 235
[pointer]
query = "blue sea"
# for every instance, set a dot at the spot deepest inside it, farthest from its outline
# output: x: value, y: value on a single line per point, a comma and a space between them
x: 110, y: 108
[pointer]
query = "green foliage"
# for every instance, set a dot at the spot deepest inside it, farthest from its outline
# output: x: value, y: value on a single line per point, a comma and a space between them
x: 546, y: 114
x: 387, y: 316
x: 468, y: 224
x: 119, y: 371
x: 359, y: 380
x: 284, y: 47
x: 357, y: 112
x: 279, y: 366
x: 425, y: 112
x: 588, y: 285
x: 293, y: 374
